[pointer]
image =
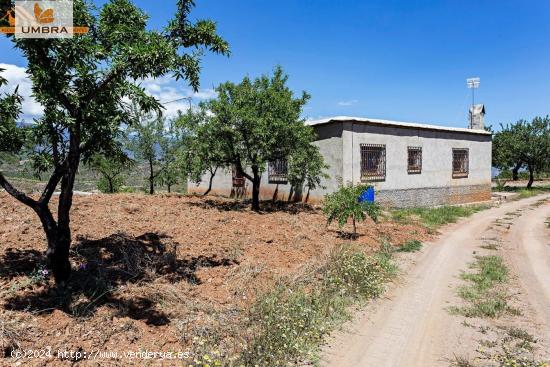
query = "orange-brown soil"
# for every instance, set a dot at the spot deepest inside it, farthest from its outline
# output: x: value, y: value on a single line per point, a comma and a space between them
x: 153, y: 272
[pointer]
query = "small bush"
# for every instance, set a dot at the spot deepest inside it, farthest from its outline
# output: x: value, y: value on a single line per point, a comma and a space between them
x: 411, y: 246
x: 111, y: 186
x: 344, y: 205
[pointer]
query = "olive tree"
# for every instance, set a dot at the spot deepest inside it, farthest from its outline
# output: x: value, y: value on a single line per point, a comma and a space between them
x: 85, y: 84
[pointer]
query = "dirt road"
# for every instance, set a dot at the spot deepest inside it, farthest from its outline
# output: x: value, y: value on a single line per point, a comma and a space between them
x: 529, y: 255
x: 412, y: 327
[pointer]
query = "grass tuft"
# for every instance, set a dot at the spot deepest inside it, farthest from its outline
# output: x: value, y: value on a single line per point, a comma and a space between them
x: 411, y: 246
x: 485, y: 292
x: 434, y: 218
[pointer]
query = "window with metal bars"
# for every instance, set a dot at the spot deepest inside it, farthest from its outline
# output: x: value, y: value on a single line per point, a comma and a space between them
x: 373, y: 162
x: 460, y: 162
x: 414, y: 165
x: 238, y: 179
x: 277, y: 171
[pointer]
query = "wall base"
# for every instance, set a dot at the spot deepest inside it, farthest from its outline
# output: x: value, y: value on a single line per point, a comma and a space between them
x: 433, y: 196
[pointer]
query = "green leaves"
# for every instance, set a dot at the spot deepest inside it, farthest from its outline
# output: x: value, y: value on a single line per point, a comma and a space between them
x: 255, y: 122
x: 524, y: 143
x: 344, y: 204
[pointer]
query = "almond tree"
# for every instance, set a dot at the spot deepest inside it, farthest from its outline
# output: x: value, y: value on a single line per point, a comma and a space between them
x: 523, y: 145
x: 85, y: 83
x: 201, y: 151
x: 256, y: 122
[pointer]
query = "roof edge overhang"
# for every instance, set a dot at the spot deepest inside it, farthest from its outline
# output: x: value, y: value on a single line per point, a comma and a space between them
x: 410, y: 125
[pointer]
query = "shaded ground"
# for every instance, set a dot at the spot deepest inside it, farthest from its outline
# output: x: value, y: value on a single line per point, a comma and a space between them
x: 156, y: 272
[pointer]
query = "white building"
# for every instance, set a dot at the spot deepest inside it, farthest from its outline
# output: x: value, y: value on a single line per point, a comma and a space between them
x: 409, y: 164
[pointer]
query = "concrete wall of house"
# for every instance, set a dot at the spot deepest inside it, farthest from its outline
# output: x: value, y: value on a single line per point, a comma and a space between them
x: 435, y: 185
x: 339, y: 143
x: 330, y: 145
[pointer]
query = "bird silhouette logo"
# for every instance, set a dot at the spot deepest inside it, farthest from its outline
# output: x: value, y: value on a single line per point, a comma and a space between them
x: 43, y: 16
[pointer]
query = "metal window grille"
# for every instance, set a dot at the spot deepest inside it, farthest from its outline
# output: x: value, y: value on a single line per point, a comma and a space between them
x: 238, y: 179
x: 460, y: 163
x: 277, y: 171
x: 414, y: 160
x: 373, y: 162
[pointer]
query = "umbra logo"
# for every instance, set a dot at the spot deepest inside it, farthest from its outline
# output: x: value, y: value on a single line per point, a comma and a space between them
x: 43, y: 16
x: 41, y: 19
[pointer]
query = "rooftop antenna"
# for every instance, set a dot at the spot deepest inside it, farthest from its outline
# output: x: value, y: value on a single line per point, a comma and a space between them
x: 473, y: 84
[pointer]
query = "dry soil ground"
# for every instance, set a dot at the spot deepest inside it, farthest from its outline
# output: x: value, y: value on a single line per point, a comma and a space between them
x: 412, y: 326
x: 154, y: 273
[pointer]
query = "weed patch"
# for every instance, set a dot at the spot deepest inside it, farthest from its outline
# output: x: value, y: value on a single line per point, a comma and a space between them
x: 513, y: 349
x: 433, y: 218
x: 289, y: 323
x: 411, y: 246
x: 484, y: 292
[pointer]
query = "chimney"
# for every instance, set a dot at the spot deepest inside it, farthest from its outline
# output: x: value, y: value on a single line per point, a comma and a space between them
x: 477, y: 112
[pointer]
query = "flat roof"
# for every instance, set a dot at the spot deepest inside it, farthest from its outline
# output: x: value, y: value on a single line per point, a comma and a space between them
x: 394, y: 123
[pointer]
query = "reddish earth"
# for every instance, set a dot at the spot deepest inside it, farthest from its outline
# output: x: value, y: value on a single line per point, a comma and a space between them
x: 152, y: 272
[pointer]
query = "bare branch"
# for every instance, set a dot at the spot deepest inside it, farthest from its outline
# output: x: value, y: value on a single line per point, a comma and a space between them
x: 52, y: 184
x: 22, y: 197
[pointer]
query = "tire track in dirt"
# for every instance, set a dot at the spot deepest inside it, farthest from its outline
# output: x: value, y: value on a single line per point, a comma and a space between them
x: 528, y: 252
x: 411, y: 326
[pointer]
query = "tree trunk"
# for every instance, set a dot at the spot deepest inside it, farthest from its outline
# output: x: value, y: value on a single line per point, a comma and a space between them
x: 111, y: 187
x: 58, y: 234
x: 59, y: 244
x: 531, y: 177
x: 275, y: 193
x: 307, y: 195
x: 515, y: 170
x: 151, y: 178
x: 256, y: 189
x: 169, y: 188
x: 209, y: 183
x: 354, y: 228
x: 291, y: 193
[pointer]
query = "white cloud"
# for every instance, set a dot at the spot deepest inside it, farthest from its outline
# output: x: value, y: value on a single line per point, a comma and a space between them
x: 166, y: 90
x: 17, y: 76
x: 347, y: 103
x: 318, y: 117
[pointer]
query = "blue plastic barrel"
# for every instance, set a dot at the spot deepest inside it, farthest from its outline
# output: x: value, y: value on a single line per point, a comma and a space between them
x: 367, y: 195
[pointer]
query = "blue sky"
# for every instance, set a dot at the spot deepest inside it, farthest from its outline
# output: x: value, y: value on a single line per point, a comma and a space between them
x: 392, y: 59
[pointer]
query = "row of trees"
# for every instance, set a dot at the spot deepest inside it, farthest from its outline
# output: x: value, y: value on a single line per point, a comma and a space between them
x: 89, y: 88
x: 523, y: 146
x: 249, y: 125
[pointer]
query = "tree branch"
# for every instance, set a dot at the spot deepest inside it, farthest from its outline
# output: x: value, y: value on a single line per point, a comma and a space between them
x: 241, y: 171
x: 44, y: 59
x: 52, y: 184
x: 104, y: 83
x: 22, y: 197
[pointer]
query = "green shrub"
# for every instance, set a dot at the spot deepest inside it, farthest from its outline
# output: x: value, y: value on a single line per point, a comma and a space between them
x: 411, y: 246
x: 344, y: 205
x: 110, y: 186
